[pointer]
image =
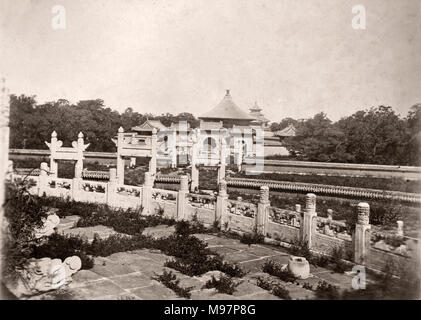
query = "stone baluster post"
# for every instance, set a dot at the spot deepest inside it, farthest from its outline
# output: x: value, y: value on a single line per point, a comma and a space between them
x: 194, y: 154
x: 222, y: 165
x: 120, y: 158
x: 147, y: 194
x: 308, y: 226
x: 154, y: 148
x: 173, y: 150
x: 181, y: 198
x: 329, y: 215
x: 9, y: 172
x: 112, y: 188
x: 221, y: 203
x: 262, y: 210
x: 43, y: 179
x: 53, y: 149
x: 362, y: 234
x: 399, y: 230
x: 79, y: 161
x: 194, y: 170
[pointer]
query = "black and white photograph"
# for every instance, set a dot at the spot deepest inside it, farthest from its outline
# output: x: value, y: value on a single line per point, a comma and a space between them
x: 224, y: 152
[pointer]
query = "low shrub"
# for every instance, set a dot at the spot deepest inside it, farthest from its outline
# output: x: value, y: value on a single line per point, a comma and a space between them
x: 281, y: 292
x: 326, y: 291
x: 307, y: 286
x: 170, y: 280
x: 264, y: 284
x: 224, y: 284
x: 275, y: 289
x: 23, y: 214
x: 252, y: 238
x: 276, y: 270
x: 336, y: 259
x: 129, y: 221
x: 59, y: 246
x: 300, y: 248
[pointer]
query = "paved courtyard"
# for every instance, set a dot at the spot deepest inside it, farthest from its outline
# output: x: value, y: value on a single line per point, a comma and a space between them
x: 130, y: 275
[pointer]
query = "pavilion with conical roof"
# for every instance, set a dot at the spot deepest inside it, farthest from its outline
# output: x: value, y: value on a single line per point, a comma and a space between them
x: 257, y: 115
x: 226, y: 114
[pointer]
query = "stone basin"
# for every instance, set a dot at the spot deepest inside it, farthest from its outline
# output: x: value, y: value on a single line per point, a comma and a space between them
x: 299, y: 267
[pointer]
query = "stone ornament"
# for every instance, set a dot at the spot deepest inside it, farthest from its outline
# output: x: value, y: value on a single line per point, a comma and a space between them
x: 363, y: 213
x: 49, y: 224
x: 311, y: 202
x: 223, y: 188
x: 299, y: 267
x: 264, y: 194
x: 45, y: 274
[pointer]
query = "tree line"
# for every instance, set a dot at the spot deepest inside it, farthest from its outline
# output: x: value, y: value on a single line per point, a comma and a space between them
x: 377, y: 135
x: 31, y: 124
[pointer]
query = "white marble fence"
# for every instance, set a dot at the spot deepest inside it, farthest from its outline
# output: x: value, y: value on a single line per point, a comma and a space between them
x: 286, y: 227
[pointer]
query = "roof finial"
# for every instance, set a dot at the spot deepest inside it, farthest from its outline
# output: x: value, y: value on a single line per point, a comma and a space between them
x: 228, y: 92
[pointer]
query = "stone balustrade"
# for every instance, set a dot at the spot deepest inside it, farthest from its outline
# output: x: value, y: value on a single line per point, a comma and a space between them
x: 301, y: 187
x: 319, y: 234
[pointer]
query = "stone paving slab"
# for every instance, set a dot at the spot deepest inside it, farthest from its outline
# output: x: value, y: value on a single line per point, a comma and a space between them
x: 88, y: 232
x: 131, y: 275
x: 104, y: 287
x: 160, y: 231
x: 156, y: 291
x: 132, y: 280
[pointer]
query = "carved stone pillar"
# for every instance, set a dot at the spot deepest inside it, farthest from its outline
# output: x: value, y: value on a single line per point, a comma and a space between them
x: 262, y: 210
x: 362, y: 234
x: 308, y: 225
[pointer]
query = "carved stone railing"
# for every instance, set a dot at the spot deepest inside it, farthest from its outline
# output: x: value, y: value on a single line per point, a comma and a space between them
x: 28, y: 171
x: 286, y: 217
x: 242, y: 208
x: 167, y: 178
x: 59, y: 183
x: 99, y: 175
x: 164, y: 195
x: 129, y: 191
x: 333, y: 228
x: 392, y: 242
x: 201, y: 200
x: 325, y: 189
x: 92, y: 186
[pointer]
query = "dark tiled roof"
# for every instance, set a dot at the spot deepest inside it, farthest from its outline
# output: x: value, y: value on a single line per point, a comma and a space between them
x: 227, y: 109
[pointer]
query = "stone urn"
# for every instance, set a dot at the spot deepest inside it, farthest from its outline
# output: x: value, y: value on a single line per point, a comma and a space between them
x: 299, y: 267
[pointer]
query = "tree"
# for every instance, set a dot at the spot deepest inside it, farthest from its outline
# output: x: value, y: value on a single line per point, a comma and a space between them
x: 414, y: 134
x: 376, y: 135
x: 283, y: 124
x: 317, y: 139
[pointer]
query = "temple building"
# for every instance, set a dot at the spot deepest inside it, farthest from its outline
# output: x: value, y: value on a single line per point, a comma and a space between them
x: 259, y: 119
x: 225, y: 115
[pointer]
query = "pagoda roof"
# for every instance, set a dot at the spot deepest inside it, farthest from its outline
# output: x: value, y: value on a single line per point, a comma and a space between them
x: 227, y: 109
x: 289, y: 131
x: 256, y: 113
x: 149, y: 125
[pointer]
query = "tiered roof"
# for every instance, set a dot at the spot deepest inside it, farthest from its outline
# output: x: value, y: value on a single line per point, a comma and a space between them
x: 289, y: 131
x: 148, y: 125
x: 256, y: 113
x: 227, y: 109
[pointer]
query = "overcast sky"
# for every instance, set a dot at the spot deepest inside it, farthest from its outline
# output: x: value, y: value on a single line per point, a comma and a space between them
x: 294, y: 57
